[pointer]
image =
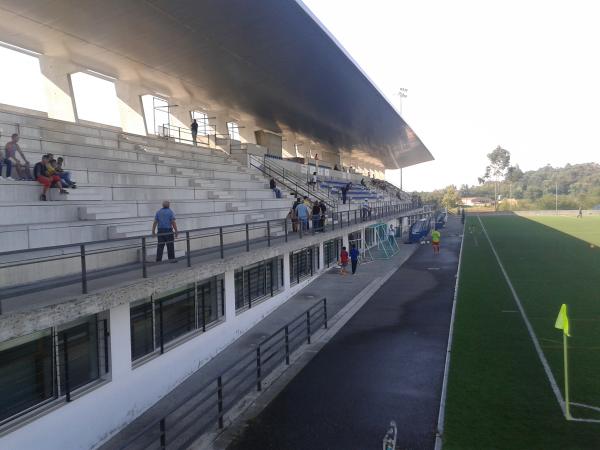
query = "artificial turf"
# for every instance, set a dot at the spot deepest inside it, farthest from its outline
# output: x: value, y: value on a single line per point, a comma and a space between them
x: 498, y: 394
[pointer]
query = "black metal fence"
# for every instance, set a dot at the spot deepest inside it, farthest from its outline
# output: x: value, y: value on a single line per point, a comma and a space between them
x: 202, y: 243
x: 206, y: 407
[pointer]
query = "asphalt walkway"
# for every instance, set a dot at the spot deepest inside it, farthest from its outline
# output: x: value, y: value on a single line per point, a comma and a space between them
x: 385, y: 364
x: 338, y: 290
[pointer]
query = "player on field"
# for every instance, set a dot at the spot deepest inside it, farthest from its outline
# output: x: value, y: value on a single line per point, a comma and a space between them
x: 435, y: 241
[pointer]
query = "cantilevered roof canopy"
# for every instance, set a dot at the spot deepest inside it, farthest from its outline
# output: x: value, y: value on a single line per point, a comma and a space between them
x: 269, y: 58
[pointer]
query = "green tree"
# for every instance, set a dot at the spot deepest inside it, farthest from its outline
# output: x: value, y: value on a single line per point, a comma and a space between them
x: 497, y: 169
x: 514, y: 174
x: 451, y: 197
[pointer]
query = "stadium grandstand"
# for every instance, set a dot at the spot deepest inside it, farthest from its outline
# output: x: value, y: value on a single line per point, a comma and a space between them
x: 233, y: 112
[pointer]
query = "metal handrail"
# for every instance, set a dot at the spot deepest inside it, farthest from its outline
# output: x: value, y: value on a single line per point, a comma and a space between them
x: 286, y: 180
x: 338, y: 219
x: 187, y: 131
x: 217, y: 393
x: 295, y: 177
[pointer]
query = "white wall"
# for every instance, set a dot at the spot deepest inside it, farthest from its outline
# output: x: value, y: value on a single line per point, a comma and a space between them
x: 97, y: 415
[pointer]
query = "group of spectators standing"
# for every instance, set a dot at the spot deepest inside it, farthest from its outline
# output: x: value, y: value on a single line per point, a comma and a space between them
x: 304, y: 211
x: 49, y: 172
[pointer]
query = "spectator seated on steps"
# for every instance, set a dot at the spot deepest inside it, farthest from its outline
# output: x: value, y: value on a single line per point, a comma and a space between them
x: 65, y: 176
x: 274, y: 188
x: 45, y: 178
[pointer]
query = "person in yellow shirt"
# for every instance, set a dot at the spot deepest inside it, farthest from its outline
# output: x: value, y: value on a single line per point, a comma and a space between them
x: 435, y: 241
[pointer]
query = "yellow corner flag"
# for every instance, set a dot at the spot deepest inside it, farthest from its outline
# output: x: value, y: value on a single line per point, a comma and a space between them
x: 562, y: 321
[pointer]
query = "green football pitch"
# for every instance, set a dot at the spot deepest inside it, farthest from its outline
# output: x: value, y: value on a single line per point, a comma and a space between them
x: 499, y: 396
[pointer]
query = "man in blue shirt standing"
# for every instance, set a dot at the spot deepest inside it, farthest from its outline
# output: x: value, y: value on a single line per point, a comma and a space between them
x: 303, y: 214
x: 167, y: 231
x: 354, y: 254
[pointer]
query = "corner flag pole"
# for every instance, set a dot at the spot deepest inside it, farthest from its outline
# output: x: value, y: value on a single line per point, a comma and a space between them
x: 566, y: 356
x: 562, y: 323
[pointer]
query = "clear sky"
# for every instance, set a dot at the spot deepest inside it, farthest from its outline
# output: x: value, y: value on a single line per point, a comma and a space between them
x: 521, y: 74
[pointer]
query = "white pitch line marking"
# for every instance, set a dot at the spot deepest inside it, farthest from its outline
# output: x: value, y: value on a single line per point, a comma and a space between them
x: 583, y: 405
x: 536, y: 344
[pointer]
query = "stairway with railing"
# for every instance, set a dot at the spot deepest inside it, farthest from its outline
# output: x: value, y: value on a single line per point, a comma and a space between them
x: 292, y: 181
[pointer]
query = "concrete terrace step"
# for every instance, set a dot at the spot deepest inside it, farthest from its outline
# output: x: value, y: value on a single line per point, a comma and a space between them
x: 40, y: 146
x: 220, y: 195
x: 15, y: 237
x: 100, y: 162
x: 38, y: 127
x: 106, y: 212
x: 34, y: 212
x: 29, y: 191
x: 254, y: 217
x: 123, y: 177
x: 75, y: 195
x: 190, y: 223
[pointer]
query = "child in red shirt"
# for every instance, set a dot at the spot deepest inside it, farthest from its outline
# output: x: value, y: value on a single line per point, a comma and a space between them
x: 344, y: 261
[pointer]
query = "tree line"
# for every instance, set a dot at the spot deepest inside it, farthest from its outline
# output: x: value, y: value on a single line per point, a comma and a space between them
x: 574, y: 186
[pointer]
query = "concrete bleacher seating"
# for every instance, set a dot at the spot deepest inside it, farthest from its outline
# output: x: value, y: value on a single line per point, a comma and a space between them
x: 356, y: 193
x: 122, y: 180
x: 330, y: 182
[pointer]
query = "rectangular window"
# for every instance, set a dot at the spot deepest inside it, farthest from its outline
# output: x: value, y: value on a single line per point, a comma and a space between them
x: 233, y: 129
x: 142, y: 326
x: 211, y: 301
x: 175, y: 315
x: 50, y: 364
x: 355, y: 238
x: 95, y: 99
x: 258, y: 281
x: 369, y: 237
x: 78, y: 352
x: 303, y: 264
x: 164, y: 319
x: 26, y: 373
x: 332, y: 251
x: 21, y: 80
x: 202, y: 120
x: 156, y: 113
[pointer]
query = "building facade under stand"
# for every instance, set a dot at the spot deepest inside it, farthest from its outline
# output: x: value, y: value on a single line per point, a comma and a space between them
x: 113, y: 86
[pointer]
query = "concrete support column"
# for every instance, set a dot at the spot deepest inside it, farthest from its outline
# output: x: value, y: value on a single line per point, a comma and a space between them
x: 130, y: 108
x: 58, y: 88
x: 345, y: 241
x: 229, y: 296
x: 363, y: 241
x: 286, y: 271
x: 120, y: 341
x: 321, y: 255
x: 221, y: 123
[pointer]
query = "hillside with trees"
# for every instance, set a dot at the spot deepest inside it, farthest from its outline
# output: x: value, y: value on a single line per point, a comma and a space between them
x: 577, y: 185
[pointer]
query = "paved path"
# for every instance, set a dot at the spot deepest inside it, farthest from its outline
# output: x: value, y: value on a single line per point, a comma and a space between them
x: 338, y: 290
x: 385, y: 364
